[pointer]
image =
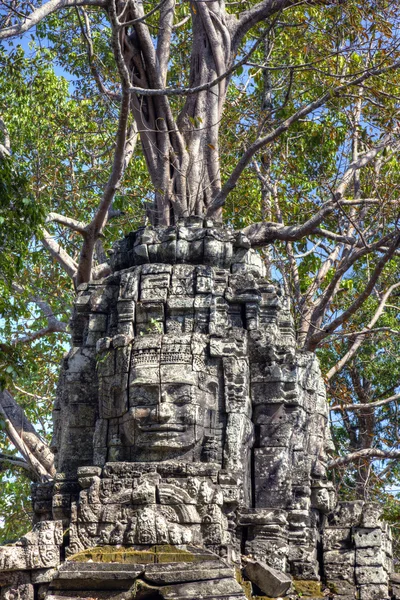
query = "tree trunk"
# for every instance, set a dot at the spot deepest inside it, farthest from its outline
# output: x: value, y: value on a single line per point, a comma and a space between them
x: 182, y: 154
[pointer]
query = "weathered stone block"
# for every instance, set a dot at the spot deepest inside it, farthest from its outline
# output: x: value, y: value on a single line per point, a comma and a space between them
x: 373, y: 592
x: 342, y: 587
x: 203, y: 589
x: 306, y: 571
x: 367, y: 537
x: 367, y: 575
x: 339, y: 571
x: 347, y: 514
x: 273, y: 551
x: 367, y: 557
x: 340, y: 557
x: 336, y: 538
x: 270, y: 581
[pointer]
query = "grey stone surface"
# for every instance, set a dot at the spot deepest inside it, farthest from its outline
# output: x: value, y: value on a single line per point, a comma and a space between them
x: 270, y: 581
x: 187, y: 422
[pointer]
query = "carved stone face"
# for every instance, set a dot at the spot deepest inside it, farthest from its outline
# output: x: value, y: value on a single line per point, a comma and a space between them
x: 165, y: 415
x: 170, y: 412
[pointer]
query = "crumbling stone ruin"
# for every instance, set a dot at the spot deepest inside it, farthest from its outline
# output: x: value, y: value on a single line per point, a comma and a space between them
x: 191, y: 440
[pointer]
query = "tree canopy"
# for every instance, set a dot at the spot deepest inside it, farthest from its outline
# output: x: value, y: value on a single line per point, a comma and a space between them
x: 279, y: 117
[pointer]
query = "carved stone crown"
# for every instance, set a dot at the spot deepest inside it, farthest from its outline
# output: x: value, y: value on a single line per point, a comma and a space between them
x: 191, y: 241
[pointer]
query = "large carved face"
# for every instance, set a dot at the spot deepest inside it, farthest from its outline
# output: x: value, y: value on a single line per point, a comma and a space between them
x: 167, y: 415
x: 172, y: 406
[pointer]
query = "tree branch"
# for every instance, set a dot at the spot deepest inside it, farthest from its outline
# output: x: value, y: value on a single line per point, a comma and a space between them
x: 53, y: 324
x: 43, y: 11
x: 69, y: 222
x: 5, y: 148
x: 365, y: 453
x: 304, y: 111
x: 60, y: 327
x: 167, y: 13
x: 24, y: 437
x: 36, y: 396
x: 101, y: 271
x: 91, y: 56
x: 67, y: 263
x: 7, y: 462
x: 123, y: 152
x: 256, y: 14
x: 342, y: 318
x: 264, y: 233
x: 355, y: 407
x: 361, y: 336
x: 261, y: 234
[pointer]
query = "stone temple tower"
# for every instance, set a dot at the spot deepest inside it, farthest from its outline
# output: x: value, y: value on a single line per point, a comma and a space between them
x: 191, y: 442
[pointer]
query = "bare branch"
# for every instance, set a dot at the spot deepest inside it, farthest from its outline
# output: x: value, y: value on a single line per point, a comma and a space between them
x: 358, y: 302
x: 355, y: 407
x: 43, y: 11
x: 304, y: 111
x: 181, y: 23
x: 330, y: 235
x: 126, y: 139
x: 256, y: 14
x: 5, y: 148
x: 131, y: 141
x: 60, y: 327
x: 365, y: 453
x: 19, y: 389
x: 264, y: 233
x: 307, y: 253
x: 141, y: 19
x: 101, y: 271
x: 365, y: 332
x: 123, y: 152
x: 86, y: 32
x: 53, y: 324
x: 67, y: 221
x: 164, y: 37
x: 67, y: 263
x: 24, y: 437
x: 9, y: 462
x: 361, y: 336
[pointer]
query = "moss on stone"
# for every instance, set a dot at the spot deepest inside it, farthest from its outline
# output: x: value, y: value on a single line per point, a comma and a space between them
x: 142, y: 586
x: 332, y: 587
x: 127, y: 555
x: 112, y: 554
x: 311, y: 589
x: 267, y: 598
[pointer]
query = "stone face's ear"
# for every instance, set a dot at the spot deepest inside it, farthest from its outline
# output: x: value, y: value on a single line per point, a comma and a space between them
x: 209, y: 385
x: 210, y: 449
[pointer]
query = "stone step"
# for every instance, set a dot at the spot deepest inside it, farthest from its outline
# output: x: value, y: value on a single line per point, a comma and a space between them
x: 161, y: 577
x: 217, y: 588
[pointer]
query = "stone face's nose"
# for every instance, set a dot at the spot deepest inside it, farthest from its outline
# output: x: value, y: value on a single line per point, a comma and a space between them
x: 164, y: 408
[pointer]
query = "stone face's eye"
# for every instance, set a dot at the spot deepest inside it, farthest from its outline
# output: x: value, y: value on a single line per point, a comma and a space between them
x: 184, y: 399
x: 143, y: 396
x: 177, y: 394
x: 141, y: 401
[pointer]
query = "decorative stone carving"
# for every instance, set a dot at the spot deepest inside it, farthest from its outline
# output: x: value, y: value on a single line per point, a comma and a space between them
x: 190, y: 432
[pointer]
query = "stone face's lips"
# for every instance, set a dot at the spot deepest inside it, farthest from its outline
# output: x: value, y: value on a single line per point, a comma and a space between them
x: 162, y: 428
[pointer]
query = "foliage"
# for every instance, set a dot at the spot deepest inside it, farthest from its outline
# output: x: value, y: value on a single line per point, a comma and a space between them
x: 19, y: 218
